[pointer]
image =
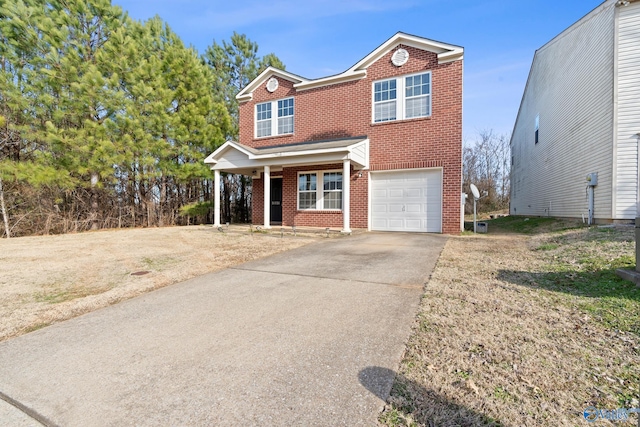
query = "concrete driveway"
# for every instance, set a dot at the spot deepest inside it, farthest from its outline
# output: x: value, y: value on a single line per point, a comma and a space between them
x: 286, y: 340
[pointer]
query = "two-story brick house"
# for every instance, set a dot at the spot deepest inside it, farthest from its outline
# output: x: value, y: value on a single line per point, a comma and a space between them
x: 377, y: 147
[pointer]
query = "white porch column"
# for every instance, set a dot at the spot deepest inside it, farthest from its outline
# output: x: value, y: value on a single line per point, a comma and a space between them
x: 216, y: 198
x: 267, y: 197
x: 346, y: 195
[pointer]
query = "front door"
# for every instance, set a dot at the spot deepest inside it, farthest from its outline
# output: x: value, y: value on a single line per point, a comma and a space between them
x: 276, y: 199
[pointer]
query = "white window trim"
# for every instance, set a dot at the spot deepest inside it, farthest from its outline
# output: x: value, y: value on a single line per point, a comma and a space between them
x: 274, y: 118
x: 400, y: 97
x: 319, y: 190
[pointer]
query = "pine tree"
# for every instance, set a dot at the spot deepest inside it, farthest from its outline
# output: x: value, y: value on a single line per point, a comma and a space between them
x: 234, y: 65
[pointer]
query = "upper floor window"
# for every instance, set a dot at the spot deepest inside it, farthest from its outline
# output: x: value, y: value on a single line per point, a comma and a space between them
x: 263, y: 119
x: 402, y: 98
x: 280, y: 123
x: 384, y: 100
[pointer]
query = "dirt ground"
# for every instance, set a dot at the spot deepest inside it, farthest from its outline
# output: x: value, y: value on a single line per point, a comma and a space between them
x: 47, y: 279
x: 492, y: 346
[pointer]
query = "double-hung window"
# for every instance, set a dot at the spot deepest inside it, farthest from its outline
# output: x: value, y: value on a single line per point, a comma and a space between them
x: 263, y: 119
x: 417, y: 95
x: 320, y: 190
x: 274, y: 118
x: 400, y: 98
x: 384, y: 94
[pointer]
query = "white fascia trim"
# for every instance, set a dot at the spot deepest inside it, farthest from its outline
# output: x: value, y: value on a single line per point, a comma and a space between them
x: 349, y: 150
x: 446, y: 52
x: 211, y: 158
x: 246, y: 94
x: 325, y: 81
x: 454, y: 55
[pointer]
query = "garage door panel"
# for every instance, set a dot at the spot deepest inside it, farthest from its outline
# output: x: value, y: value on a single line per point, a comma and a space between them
x: 396, y: 223
x: 413, y: 192
x: 414, y: 224
x: 413, y: 208
x: 407, y: 201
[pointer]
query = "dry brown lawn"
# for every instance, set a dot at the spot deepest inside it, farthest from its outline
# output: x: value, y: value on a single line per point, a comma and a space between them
x: 47, y: 279
x: 495, y: 344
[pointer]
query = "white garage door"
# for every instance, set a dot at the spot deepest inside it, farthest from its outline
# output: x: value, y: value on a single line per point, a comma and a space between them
x: 407, y: 201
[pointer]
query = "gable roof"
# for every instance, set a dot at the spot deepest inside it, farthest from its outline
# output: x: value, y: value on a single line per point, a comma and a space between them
x: 446, y: 53
x: 245, y: 93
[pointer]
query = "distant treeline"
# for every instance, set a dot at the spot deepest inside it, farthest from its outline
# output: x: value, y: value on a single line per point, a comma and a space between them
x: 487, y: 165
x: 105, y: 120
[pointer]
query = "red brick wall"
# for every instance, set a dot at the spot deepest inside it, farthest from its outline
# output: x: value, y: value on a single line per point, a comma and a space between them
x: 345, y: 109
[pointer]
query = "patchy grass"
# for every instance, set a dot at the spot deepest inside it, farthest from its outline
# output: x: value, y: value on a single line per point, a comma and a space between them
x: 531, y: 225
x: 52, y: 278
x: 36, y: 326
x: 583, y: 265
x: 527, y: 325
x: 57, y: 296
x: 547, y: 247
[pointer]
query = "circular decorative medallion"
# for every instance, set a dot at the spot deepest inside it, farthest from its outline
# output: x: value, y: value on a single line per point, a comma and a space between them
x: 272, y: 84
x: 400, y: 57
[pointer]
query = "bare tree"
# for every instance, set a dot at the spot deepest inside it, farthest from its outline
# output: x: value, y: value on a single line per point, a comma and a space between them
x: 486, y: 165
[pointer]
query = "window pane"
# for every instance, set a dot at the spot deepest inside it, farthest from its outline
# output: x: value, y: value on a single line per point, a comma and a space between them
x: 332, y: 200
x: 263, y: 111
x: 385, y: 111
x: 307, y: 191
x: 307, y: 182
x: 285, y: 107
x: 384, y: 104
x: 264, y: 128
x: 285, y: 125
x: 332, y: 181
x: 307, y: 200
x: 417, y: 85
x: 418, y: 94
x: 263, y: 119
x: 332, y: 196
x: 418, y: 107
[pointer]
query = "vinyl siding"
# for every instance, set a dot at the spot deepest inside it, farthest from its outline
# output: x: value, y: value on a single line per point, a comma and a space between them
x: 628, y: 113
x: 570, y: 87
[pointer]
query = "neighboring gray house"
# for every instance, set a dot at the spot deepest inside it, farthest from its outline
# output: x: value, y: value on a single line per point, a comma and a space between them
x: 580, y: 114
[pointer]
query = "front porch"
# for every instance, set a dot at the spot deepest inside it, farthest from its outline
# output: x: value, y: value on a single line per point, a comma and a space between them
x: 281, y: 199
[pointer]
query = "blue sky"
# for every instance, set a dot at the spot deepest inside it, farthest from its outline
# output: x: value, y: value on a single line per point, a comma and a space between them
x: 316, y: 38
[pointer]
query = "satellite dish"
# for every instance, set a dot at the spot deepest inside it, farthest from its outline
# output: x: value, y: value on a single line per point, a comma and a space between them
x: 474, y: 190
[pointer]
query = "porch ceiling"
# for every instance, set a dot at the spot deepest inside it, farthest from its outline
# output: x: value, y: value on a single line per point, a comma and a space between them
x: 234, y: 157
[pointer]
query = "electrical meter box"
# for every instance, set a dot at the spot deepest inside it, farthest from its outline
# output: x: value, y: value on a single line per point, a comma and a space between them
x: 592, y: 179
